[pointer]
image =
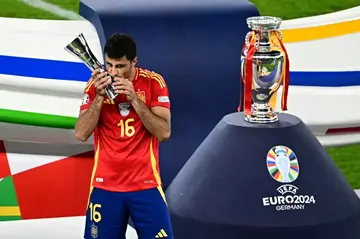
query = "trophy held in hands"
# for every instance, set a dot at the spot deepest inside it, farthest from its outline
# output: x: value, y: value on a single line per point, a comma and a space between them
x: 264, y: 67
x: 79, y: 48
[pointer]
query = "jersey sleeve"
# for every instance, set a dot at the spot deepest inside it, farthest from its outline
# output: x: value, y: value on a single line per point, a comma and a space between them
x: 160, y: 92
x: 89, y: 95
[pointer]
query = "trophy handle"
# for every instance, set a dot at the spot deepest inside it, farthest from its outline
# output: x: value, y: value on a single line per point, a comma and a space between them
x: 247, y: 39
x: 247, y: 43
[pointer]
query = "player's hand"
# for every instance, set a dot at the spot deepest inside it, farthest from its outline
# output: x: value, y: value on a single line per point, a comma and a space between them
x: 124, y: 86
x: 101, y: 80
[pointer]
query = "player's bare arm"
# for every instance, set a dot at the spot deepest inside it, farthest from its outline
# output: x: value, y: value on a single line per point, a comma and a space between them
x: 88, y: 118
x: 157, y: 120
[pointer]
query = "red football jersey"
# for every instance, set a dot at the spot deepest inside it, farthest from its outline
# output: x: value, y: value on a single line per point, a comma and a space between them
x: 126, y: 154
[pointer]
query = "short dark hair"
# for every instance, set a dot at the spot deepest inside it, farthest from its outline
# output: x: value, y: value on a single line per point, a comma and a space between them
x: 119, y: 45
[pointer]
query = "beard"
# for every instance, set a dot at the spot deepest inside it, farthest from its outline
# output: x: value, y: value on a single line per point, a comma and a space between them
x: 125, y: 74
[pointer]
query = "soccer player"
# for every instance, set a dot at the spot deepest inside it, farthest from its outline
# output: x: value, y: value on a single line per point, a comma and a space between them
x: 127, y: 131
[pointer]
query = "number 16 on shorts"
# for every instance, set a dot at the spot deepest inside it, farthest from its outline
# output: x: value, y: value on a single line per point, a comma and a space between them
x: 95, y: 217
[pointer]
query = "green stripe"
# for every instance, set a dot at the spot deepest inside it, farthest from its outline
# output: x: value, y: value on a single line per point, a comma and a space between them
x: 36, y: 119
x: 10, y: 218
x: 7, y: 192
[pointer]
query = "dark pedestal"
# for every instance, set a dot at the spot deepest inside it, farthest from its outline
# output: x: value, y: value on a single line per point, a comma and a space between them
x: 232, y: 187
x: 196, y: 46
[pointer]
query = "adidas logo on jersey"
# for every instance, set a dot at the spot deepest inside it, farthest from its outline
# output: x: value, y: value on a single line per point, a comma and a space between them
x: 161, y: 234
x: 110, y: 102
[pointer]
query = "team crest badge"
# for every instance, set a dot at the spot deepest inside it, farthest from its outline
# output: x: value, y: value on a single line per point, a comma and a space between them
x: 141, y: 95
x: 282, y: 164
x: 94, y: 231
x: 124, y: 108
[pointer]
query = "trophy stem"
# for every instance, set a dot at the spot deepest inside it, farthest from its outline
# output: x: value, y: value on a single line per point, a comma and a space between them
x: 110, y: 92
x: 261, y: 114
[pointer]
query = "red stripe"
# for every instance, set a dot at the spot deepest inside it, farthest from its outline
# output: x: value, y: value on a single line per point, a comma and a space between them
x: 4, y: 163
x: 249, y: 79
x: 271, y: 156
x: 343, y: 130
x: 286, y: 76
x: 58, y: 189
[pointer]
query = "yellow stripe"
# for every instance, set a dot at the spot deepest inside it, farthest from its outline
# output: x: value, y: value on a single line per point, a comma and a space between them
x: 163, y: 232
x: 88, y: 85
x: 155, y: 172
x: 96, y: 159
x: 89, y: 82
x: 276, y: 42
x: 153, y: 75
x: 159, y: 78
x: 144, y: 74
x: 320, y: 32
x: 272, y: 101
x: 161, y: 191
x: 159, y: 81
x: 10, y: 211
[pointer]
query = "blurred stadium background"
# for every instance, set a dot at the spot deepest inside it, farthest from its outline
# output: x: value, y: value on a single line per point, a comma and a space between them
x: 347, y: 158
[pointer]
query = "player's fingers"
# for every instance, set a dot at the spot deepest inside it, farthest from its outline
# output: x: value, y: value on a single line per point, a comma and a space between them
x: 122, y: 89
x: 119, y: 83
x: 104, y: 82
x: 121, y: 80
x: 94, y: 73
x: 100, y: 84
x: 100, y: 77
x: 105, y: 78
x: 97, y: 86
x: 125, y: 92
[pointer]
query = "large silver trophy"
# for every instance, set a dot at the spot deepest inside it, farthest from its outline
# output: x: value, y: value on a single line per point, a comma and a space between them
x: 79, y: 48
x: 264, y: 67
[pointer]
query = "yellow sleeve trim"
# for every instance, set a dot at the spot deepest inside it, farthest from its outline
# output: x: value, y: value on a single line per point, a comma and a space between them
x: 89, y: 84
x: 154, y: 76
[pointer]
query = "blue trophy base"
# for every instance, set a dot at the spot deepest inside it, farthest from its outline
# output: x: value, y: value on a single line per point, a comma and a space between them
x: 232, y: 186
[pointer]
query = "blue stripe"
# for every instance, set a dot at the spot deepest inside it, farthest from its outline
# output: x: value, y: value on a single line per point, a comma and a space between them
x: 39, y: 68
x: 61, y: 70
x: 326, y: 79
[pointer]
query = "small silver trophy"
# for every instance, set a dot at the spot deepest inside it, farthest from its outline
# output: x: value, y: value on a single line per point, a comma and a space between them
x: 264, y: 67
x: 80, y: 49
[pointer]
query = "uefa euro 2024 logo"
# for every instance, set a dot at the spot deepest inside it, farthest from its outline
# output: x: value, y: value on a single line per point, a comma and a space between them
x: 282, y: 164
x: 283, y: 167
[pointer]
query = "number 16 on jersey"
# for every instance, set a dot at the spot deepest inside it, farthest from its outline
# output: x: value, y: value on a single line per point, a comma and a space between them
x: 126, y: 129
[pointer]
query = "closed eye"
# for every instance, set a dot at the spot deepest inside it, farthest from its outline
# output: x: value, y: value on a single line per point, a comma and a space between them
x: 116, y: 66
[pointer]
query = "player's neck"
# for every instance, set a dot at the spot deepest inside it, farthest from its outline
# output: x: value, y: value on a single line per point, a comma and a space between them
x: 133, y: 74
